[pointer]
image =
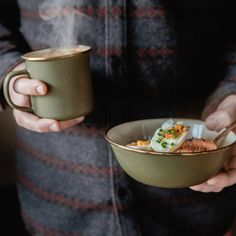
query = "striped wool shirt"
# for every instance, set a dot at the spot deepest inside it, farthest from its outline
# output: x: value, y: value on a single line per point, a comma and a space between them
x: 150, y: 59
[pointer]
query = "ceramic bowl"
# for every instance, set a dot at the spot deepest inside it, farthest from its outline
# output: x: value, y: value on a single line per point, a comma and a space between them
x: 169, y: 170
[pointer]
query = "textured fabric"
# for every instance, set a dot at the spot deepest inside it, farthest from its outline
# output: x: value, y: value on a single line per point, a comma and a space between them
x: 150, y: 59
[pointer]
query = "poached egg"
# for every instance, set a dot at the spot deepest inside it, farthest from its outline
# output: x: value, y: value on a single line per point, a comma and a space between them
x: 170, y: 136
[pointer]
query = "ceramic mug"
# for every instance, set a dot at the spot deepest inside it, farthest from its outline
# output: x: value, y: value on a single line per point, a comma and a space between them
x: 66, y: 72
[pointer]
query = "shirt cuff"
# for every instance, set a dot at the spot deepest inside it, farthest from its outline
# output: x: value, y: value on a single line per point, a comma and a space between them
x: 225, y: 89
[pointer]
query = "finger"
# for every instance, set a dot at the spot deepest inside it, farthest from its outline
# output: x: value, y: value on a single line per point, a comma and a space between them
x: 229, y: 103
x: 218, y: 182
x: 224, y: 115
x: 34, y: 123
x: 29, y: 87
x: 218, y: 120
x: 205, y: 188
x: 21, y: 86
x: 69, y: 123
x: 223, y: 179
x: 18, y: 99
x: 231, y: 163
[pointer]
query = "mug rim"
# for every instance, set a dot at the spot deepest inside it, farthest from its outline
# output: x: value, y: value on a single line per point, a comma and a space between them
x: 35, y: 55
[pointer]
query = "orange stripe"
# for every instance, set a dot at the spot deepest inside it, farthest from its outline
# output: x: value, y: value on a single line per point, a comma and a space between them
x: 44, y: 229
x: 139, y: 12
x: 231, y: 78
x: 156, y: 52
x: 140, y: 52
x: 67, y: 165
x: 65, y: 200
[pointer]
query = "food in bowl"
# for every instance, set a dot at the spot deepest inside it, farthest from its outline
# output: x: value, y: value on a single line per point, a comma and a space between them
x: 172, y: 137
x: 174, y: 169
x: 197, y: 145
x: 140, y: 144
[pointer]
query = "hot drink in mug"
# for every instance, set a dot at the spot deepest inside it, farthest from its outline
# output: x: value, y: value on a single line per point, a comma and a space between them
x: 66, y: 72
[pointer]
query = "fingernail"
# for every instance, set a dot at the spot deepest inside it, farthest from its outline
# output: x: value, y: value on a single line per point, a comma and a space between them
x: 53, y: 127
x: 211, y: 182
x: 40, y: 90
x: 212, y: 123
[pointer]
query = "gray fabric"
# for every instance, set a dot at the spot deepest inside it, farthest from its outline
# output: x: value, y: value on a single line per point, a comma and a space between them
x: 149, y: 59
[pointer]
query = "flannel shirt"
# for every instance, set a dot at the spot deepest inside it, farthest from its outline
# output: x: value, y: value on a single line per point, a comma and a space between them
x: 150, y: 59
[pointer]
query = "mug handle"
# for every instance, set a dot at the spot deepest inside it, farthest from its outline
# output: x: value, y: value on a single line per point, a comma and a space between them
x: 6, y: 90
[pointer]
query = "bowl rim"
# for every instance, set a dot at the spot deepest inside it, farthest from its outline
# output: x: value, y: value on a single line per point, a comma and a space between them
x: 154, y: 153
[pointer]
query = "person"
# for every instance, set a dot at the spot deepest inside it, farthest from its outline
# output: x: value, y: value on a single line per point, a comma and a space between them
x: 150, y: 59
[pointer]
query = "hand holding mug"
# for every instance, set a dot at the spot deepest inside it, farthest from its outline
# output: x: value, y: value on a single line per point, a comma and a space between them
x: 52, y: 90
x: 20, y: 88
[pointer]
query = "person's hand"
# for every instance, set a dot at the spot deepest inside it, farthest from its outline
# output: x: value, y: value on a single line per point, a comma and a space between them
x: 20, y: 88
x: 224, y: 115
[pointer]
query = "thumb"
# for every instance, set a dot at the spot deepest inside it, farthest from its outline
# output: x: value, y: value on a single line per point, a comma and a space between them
x: 224, y: 115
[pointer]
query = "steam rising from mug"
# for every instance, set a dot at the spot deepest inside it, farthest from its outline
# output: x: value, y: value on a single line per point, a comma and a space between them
x: 59, y: 28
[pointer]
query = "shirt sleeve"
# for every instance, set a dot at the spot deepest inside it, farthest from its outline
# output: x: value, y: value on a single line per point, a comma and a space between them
x: 226, y: 88
x: 228, y: 85
x: 12, y: 42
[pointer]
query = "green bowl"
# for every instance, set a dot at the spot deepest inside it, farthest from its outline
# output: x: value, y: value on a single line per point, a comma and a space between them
x: 169, y: 170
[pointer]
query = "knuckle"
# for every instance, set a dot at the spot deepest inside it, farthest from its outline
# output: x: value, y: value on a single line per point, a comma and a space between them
x: 19, y: 118
x: 18, y: 121
x: 217, y: 190
x: 225, y: 119
x: 17, y: 84
x: 21, y: 100
x: 41, y: 128
x: 225, y: 115
x: 13, y: 82
x: 203, y: 189
x: 56, y: 127
x: 232, y: 98
x: 223, y: 182
x: 24, y: 86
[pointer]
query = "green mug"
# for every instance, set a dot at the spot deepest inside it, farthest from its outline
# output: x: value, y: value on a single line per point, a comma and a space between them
x: 66, y: 72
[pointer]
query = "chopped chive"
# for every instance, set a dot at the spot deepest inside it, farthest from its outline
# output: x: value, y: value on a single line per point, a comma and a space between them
x: 175, y: 134
x: 164, y: 144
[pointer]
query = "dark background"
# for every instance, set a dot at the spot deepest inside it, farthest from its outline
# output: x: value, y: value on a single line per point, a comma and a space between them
x: 10, y: 217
